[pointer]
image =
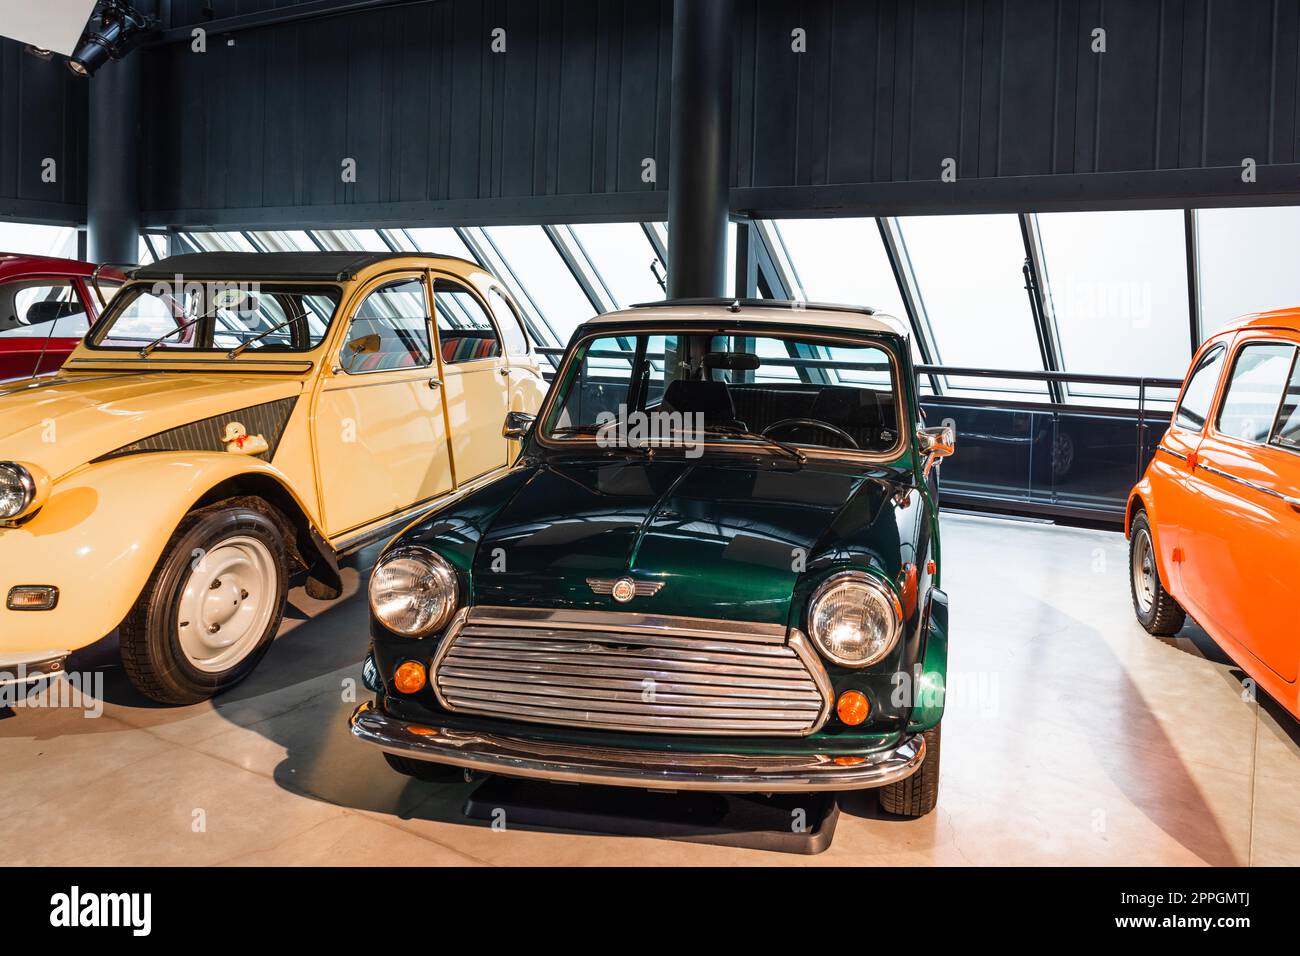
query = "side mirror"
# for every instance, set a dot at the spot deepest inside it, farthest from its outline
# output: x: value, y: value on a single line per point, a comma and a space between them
x: 936, y: 443
x: 517, y: 425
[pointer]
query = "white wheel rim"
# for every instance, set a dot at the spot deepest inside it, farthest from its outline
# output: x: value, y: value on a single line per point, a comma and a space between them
x: 227, y: 603
x: 1144, y: 572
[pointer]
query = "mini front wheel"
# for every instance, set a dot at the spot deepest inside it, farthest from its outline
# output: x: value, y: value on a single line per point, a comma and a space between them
x: 918, y: 794
x: 424, y: 770
x: 211, y: 608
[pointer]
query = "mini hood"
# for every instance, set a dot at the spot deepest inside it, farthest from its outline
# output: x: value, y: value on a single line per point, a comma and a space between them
x: 725, y: 539
x: 64, y: 422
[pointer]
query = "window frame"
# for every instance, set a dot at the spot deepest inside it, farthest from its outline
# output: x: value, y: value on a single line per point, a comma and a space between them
x: 1219, y: 350
x: 1239, y: 349
x: 430, y: 327
x: 463, y: 286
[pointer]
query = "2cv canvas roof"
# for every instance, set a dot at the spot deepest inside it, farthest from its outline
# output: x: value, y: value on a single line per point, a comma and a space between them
x: 329, y: 266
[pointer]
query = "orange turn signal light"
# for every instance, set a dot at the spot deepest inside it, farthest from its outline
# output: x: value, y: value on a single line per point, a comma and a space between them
x: 853, y: 707
x: 409, y: 677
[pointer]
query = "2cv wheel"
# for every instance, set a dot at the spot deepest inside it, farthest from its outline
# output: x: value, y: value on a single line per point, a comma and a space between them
x: 918, y: 794
x: 210, y: 609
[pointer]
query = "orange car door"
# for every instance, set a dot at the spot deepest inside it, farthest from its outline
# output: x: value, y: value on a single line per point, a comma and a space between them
x: 1245, y: 550
x: 1174, y: 511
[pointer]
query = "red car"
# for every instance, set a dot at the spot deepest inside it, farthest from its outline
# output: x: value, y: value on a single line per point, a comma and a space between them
x: 46, y: 306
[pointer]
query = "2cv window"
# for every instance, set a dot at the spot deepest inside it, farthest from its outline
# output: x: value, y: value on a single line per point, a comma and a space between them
x: 465, y: 333
x: 390, y: 330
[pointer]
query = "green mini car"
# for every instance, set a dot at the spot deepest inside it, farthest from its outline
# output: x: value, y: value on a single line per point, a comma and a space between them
x: 713, y: 566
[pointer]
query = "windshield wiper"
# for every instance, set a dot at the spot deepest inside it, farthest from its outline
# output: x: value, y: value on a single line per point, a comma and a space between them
x: 790, y: 450
x: 233, y: 353
x: 145, y: 352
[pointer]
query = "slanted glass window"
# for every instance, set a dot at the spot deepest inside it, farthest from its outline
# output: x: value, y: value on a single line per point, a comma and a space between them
x: 439, y: 242
x: 351, y: 240
x: 390, y: 330
x: 284, y: 241
x: 1247, y: 262
x: 221, y: 242
x: 1250, y: 405
x: 625, y: 259
x: 1194, y: 409
x: 1118, y: 286
x: 969, y: 271
x: 465, y: 333
x: 1286, y: 433
x: 529, y: 254
x: 33, y: 240
x: 841, y: 261
x: 42, y: 308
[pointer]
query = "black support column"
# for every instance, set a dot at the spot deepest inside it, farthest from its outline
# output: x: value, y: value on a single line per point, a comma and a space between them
x: 699, y: 160
x: 113, y: 183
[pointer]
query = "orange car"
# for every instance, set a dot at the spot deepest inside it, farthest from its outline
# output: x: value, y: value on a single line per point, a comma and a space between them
x: 1214, y: 524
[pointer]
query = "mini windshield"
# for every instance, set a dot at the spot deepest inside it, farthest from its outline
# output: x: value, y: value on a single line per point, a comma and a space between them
x: 218, y: 316
x: 790, y: 392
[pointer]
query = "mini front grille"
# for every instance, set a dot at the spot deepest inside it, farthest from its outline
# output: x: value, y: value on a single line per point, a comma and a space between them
x: 631, y: 672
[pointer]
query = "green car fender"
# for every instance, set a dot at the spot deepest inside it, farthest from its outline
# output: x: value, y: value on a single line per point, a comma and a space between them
x: 928, y: 683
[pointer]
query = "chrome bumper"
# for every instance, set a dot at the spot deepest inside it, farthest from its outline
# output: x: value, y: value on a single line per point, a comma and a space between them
x: 647, y: 769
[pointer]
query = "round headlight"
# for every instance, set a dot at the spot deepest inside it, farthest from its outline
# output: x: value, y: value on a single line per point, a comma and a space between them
x: 854, y: 618
x: 413, y: 591
x: 17, y: 490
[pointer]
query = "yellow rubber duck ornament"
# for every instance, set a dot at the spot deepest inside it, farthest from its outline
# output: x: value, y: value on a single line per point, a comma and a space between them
x: 239, y: 442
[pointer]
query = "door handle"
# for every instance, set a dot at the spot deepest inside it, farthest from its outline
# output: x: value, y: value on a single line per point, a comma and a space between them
x: 503, y: 372
x: 435, y: 383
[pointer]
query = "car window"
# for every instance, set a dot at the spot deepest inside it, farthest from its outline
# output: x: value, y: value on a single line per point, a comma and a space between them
x: 465, y: 332
x: 508, y: 322
x: 217, y: 316
x: 390, y: 330
x: 1194, y: 409
x: 1286, y: 432
x: 41, y: 308
x: 1254, y: 392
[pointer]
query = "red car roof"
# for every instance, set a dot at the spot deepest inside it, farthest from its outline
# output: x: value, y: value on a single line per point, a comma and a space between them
x: 13, y: 265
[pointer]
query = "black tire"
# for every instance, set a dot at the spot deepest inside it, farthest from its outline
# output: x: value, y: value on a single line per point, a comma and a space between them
x: 152, y: 654
x: 918, y: 794
x: 424, y: 770
x: 1155, y: 608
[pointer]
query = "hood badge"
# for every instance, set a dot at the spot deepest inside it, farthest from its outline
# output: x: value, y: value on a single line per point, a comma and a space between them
x: 625, y: 588
x: 239, y: 442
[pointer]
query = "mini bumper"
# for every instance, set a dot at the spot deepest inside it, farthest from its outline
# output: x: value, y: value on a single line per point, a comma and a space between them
x: 647, y: 769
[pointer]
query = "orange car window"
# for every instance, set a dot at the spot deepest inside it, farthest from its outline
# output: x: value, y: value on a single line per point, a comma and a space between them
x: 1250, y: 405
x: 1286, y: 434
x: 1194, y: 409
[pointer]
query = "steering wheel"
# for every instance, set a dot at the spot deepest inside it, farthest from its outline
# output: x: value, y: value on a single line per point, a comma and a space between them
x: 811, y: 423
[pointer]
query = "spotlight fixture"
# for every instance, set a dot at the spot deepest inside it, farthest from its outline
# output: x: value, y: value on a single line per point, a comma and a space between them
x: 114, y: 30
x: 39, y: 52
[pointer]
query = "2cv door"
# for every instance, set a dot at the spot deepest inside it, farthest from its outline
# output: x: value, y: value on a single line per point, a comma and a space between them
x: 380, y: 427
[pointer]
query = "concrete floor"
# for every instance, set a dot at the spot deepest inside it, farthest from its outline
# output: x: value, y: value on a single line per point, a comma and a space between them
x: 1072, y: 737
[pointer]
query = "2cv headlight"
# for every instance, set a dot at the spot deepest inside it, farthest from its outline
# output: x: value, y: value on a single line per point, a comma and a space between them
x: 413, y: 591
x: 23, y: 489
x: 854, y: 618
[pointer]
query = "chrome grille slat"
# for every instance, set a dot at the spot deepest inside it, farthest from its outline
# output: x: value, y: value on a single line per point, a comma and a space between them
x: 583, y: 650
x: 593, y: 669
x: 472, y: 635
x: 563, y: 683
x: 570, y: 674
x: 598, y: 695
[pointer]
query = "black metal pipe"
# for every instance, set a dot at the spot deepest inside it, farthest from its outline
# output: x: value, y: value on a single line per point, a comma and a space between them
x: 113, y: 180
x: 699, y: 157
